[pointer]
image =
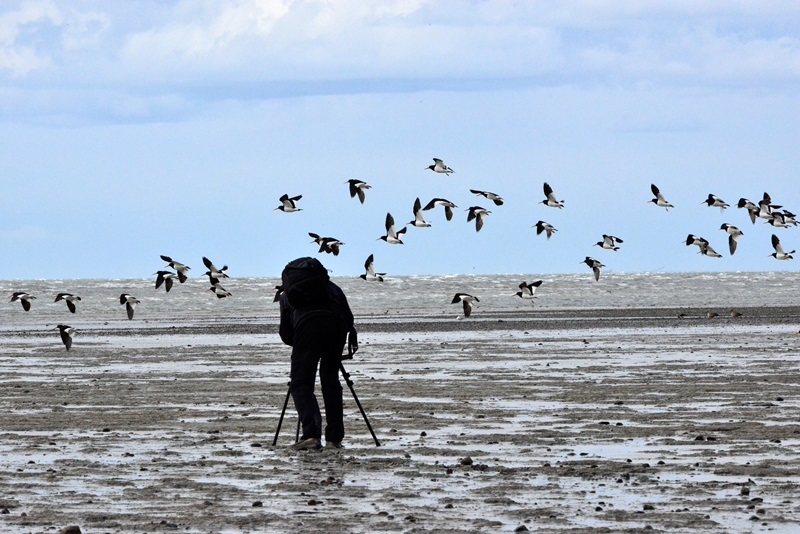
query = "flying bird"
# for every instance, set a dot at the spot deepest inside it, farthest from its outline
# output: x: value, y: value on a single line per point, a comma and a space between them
x: 448, y: 206
x: 542, y: 226
x: 69, y: 298
x: 550, y: 198
x: 714, y: 201
x: 166, y: 278
x: 439, y: 166
x: 659, y: 200
x: 779, y: 254
x: 370, y: 275
x: 594, y: 265
x: 329, y: 245
x: 358, y: 187
x: 23, y: 298
x: 214, y: 273
x: 66, y: 332
x: 705, y: 247
x: 180, y: 268
x: 392, y: 236
x: 219, y: 291
x: 528, y: 291
x: 129, y: 302
x: 289, y: 204
x: 478, y: 213
x: 751, y: 207
x: 419, y: 221
x: 733, y: 236
x: 466, y: 300
x: 494, y: 197
x: 609, y: 242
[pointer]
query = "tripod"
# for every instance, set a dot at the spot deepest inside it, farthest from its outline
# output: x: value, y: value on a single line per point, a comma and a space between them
x: 349, y: 383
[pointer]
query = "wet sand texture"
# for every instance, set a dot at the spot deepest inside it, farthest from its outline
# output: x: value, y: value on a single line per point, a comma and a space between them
x: 594, y: 420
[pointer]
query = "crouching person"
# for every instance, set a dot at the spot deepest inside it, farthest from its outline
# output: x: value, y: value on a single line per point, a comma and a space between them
x: 315, y: 321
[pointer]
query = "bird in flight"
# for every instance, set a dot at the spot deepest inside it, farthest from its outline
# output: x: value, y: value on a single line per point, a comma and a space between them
x: 370, y: 275
x: 659, y: 200
x: 358, y: 187
x: 547, y: 228
x: 479, y: 214
x: 466, y: 300
x: 439, y: 166
x: 289, y: 204
x: 66, y: 332
x: 69, y: 298
x: 392, y: 235
x: 23, y: 298
x: 448, y: 206
x: 129, y: 302
x: 550, y: 198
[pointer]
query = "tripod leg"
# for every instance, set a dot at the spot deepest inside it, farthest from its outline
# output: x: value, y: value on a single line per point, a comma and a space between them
x: 349, y: 383
x: 280, y: 421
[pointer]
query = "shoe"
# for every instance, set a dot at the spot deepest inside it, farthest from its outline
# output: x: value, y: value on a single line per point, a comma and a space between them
x: 333, y: 445
x: 308, y: 444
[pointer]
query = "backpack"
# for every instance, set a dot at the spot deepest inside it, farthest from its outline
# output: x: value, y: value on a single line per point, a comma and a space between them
x: 305, y: 281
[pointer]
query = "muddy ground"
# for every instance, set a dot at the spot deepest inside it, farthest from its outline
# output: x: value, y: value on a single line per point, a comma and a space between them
x: 575, y: 421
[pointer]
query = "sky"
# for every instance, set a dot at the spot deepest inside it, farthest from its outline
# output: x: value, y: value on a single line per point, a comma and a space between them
x: 131, y: 130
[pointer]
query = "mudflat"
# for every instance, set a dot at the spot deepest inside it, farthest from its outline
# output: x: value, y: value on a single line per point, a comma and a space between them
x: 573, y: 421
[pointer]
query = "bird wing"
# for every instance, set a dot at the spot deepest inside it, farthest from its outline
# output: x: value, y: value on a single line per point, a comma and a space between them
x: 467, y: 307
x: 66, y: 337
x: 776, y: 243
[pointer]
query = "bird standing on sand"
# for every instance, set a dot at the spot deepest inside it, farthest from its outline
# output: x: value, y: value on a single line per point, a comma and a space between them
x: 659, y: 200
x: 392, y: 235
x: 466, y: 300
x: 23, y: 298
x: 180, y: 268
x: 69, y: 298
x: 733, y: 236
x: 129, y: 302
x: 494, y: 197
x: 358, y: 187
x: 448, y: 206
x: 329, y: 245
x: 714, y: 201
x: 550, y: 198
x: 528, y: 291
x: 609, y: 242
x: 370, y: 275
x: 439, y: 166
x: 66, y: 332
x: 542, y: 226
x: 289, y: 204
x: 166, y: 278
x: 779, y: 254
x: 419, y: 221
x: 594, y: 265
x: 478, y: 213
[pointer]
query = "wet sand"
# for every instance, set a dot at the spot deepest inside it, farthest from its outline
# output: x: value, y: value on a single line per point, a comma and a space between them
x: 570, y: 421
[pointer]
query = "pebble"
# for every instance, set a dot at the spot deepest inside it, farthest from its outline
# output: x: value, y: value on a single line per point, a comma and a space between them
x: 257, y: 504
x: 465, y: 461
x: 521, y: 528
x: 648, y: 507
x: 72, y: 529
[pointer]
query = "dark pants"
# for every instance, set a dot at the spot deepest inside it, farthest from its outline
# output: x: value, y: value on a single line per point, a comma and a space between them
x: 318, y: 341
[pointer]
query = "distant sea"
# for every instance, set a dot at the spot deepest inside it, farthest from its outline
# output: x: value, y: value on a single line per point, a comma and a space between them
x: 190, y: 303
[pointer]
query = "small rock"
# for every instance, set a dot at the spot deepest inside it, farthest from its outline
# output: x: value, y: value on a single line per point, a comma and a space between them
x: 314, y: 502
x: 72, y: 529
x: 700, y: 438
x: 465, y: 461
x: 648, y: 507
x: 521, y: 528
x: 423, y: 433
x: 257, y: 504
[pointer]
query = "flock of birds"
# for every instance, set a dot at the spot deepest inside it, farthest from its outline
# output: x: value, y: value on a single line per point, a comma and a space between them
x: 164, y: 278
x: 764, y: 209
